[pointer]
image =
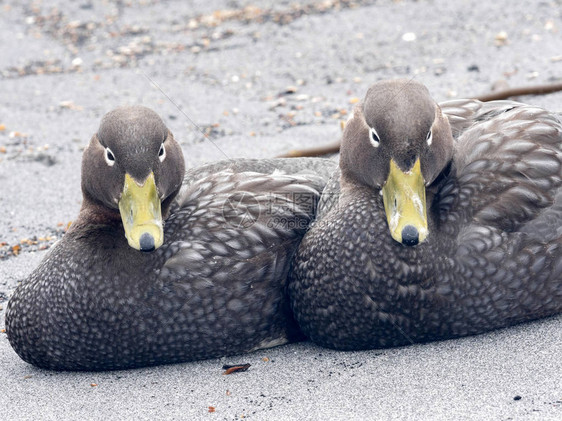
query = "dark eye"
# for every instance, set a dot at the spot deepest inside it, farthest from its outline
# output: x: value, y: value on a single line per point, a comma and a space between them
x: 374, y: 137
x: 109, y: 157
x: 429, y: 137
x: 162, y: 153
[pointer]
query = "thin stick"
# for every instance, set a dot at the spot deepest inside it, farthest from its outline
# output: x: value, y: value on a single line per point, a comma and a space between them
x: 523, y: 90
x: 334, y: 147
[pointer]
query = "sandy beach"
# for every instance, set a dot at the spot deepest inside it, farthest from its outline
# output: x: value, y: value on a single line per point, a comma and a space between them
x: 256, y: 79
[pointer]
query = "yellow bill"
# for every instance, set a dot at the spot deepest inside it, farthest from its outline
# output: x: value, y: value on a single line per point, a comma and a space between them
x: 141, y: 213
x: 404, y: 204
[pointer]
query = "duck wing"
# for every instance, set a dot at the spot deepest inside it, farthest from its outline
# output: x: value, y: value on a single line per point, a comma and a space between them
x: 319, y: 166
x: 464, y: 113
x: 239, y: 233
x: 508, y: 164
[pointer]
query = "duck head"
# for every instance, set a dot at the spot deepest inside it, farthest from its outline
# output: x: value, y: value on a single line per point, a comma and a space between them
x: 397, y: 142
x: 133, y: 167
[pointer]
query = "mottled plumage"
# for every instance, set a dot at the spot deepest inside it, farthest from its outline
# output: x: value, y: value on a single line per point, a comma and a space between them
x: 215, y: 287
x: 493, y: 253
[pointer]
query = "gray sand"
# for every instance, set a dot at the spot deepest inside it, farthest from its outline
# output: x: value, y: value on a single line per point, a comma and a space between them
x: 261, y: 81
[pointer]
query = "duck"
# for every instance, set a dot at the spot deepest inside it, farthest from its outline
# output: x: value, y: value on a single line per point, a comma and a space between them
x: 442, y: 221
x: 162, y: 265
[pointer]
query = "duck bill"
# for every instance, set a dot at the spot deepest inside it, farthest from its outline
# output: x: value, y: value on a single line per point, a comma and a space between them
x: 141, y: 213
x: 404, y: 204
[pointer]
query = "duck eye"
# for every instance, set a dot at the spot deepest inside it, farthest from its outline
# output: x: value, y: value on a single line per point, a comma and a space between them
x: 374, y: 137
x: 429, y: 137
x: 162, y: 153
x: 109, y: 157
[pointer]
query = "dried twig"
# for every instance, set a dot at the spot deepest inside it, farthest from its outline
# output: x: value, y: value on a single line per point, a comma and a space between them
x: 334, y: 147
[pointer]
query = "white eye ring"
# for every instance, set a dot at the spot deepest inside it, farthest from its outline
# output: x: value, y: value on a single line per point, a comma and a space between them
x: 374, y: 137
x: 109, y: 157
x: 429, y: 138
x: 162, y: 153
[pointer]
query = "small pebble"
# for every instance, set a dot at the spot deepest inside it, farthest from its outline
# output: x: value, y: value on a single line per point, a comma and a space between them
x: 532, y: 75
x: 501, y: 38
x: 409, y: 37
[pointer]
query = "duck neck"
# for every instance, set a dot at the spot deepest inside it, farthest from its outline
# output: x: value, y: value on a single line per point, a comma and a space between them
x: 98, y: 224
x: 94, y: 214
x: 351, y: 189
x: 406, y: 262
x: 101, y: 233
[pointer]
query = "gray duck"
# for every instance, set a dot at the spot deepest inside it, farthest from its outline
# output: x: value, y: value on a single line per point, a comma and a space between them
x: 154, y: 273
x: 442, y: 221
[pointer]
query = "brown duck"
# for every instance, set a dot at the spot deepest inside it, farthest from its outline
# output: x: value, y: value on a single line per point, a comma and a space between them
x: 443, y: 221
x: 153, y: 273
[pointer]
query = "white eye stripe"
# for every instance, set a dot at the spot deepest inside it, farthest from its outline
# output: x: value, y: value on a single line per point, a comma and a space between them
x: 374, y: 137
x: 429, y: 138
x: 162, y: 153
x: 109, y: 157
